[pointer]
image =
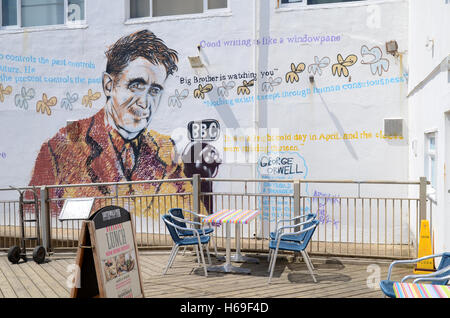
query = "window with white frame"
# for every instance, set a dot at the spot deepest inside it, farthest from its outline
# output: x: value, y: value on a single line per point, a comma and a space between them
x: 310, y: 2
x: 431, y: 159
x: 159, y: 8
x: 31, y: 13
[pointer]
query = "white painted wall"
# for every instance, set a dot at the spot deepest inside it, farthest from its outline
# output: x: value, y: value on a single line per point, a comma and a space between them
x: 429, y: 92
x: 354, y: 110
x: 322, y: 31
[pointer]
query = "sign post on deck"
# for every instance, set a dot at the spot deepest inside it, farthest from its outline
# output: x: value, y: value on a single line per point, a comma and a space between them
x: 107, y: 257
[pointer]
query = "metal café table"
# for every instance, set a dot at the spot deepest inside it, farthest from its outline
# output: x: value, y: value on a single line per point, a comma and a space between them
x: 228, y: 217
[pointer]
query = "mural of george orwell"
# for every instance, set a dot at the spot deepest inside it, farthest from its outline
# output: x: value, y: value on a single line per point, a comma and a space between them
x: 117, y: 143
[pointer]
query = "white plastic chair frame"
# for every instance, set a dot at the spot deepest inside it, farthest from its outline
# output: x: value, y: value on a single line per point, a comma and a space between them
x: 304, y: 253
x: 175, y: 248
x: 196, y: 223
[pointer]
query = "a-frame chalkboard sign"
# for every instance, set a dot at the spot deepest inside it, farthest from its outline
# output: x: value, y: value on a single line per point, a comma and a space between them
x: 107, y: 257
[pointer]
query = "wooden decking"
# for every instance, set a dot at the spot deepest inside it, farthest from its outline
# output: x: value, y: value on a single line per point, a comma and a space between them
x: 337, y: 277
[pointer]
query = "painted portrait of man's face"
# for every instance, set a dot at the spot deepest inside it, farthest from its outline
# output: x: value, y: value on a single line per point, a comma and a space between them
x: 137, y: 67
x: 135, y: 94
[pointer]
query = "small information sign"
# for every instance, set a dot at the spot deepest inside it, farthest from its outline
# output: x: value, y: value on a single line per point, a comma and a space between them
x: 76, y: 209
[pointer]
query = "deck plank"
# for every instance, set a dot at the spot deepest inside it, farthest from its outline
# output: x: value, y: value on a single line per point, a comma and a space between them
x: 5, y: 286
x: 61, y: 279
x: 41, y: 284
x: 16, y: 284
x: 54, y: 284
x: 186, y: 278
x: 26, y: 281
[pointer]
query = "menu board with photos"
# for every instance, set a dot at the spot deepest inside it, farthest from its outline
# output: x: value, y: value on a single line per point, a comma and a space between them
x: 111, y: 244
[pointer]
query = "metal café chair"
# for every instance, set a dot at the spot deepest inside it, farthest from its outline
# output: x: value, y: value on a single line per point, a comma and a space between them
x: 197, y: 240
x: 440, y: 277
x: 177, y: 213
x: 290, y: 237
x: 308, y: 227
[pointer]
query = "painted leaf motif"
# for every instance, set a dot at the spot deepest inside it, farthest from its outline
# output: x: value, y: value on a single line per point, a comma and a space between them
x: 221, y: 91
x: 319, y: 70
x: 19, y: 101
x: 384, y: 65
x: 89, y: 98
x: 345, y: 71
x: 44, y: 98
x: 95, y: 96
x: 8, y: 90
x: 249, y: 84
x: 300, y: 67
x: 184, y: 94
x: 52, y: 101
x: 85, y: 100
x: 230, y: 85
x: 276, y: 81
x: 4, y: 92
x: 207, y: 88
x: 334, y: 69
x: 173, y: 101
x: 292, y: 77
x: 40, y: 106
x: 177, y: 103
x: 198, y: 92
x: 350, y: 60
x: 73, y: 98
x: 267, y: 87
x: 293, y: 68
x: 44, y: 105
x: 29, y: 94
x: 48, y: 110
x: 324, y: 62
x: 243, y: 90
x: 312, y: 68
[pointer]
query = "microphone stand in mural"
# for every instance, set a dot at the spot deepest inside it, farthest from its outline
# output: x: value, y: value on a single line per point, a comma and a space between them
x: 202, y: 158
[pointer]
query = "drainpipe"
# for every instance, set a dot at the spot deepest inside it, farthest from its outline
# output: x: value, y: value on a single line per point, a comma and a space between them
x: 256, y: 9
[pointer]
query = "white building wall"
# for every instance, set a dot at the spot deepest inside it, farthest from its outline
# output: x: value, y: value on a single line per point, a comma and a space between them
x: 429, y: 92
x: 252, y: 37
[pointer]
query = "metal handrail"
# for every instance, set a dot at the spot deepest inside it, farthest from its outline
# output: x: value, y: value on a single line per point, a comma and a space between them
x: 118, y: 183
x: 316, y: 181
x: 279, y: 195
x: 218, y: 180
x: 101, y: 184
x: 406, y: 212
